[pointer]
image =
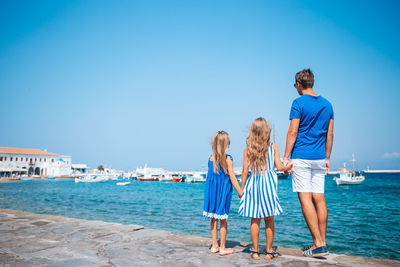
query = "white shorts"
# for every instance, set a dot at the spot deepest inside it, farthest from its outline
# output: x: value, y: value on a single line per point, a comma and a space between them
x: 308, y: 175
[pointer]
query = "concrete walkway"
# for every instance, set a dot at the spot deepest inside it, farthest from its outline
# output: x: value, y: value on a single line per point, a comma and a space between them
x: 28, y: 239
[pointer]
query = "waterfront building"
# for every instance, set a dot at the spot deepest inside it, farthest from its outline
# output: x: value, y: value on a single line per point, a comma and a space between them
x: 28, y: 161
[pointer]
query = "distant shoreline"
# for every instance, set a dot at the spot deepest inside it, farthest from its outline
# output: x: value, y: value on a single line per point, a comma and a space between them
x: 16, y: 179
x: 381, y: 171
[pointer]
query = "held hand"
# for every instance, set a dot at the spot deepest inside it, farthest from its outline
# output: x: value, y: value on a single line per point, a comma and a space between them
x: 240, y: 193
x: 287, y: 166
x: 285, y: 161
x: 327, y: 167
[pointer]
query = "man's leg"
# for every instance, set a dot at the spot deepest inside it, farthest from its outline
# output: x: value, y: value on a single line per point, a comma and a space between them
x: 318, y: 197
x: 310, y: 215
x: 322, y: 214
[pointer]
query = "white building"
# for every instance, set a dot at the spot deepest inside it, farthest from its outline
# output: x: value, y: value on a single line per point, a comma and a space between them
x: 20, y: 161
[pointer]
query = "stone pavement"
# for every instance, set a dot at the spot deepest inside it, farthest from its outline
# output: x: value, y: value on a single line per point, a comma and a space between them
x: 28, y: 239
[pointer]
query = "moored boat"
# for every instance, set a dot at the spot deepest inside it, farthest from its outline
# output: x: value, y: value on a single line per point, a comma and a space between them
x: 176, y: 178
x: 196, y: 177
x: 147, y: 178
x: 348, y: 177
x: 166, y: 178
x: 91, y: 178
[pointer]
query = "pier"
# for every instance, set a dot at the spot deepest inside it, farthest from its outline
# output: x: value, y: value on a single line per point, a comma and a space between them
x: 28, y: 239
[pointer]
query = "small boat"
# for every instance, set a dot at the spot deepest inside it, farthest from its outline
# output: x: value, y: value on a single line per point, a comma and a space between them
x: 282, y: 175
x: 123, y: 183
x: 166, y: 178
x: 196, y: 177
x: 90, y: 178
x: 26, y: 179
x: 147, y: 177
x: 348, y: 177
x: 176, y: 178
x: 51, y: 178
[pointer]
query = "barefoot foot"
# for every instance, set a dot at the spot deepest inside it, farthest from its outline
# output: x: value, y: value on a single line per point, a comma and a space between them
x: 225, y: 251
x: 214, y: 249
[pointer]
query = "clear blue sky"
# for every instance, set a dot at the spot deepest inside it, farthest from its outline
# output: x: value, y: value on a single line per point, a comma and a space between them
x: 123, y: 83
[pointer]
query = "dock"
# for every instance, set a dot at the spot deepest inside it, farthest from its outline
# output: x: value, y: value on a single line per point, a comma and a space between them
x: 29, y: 239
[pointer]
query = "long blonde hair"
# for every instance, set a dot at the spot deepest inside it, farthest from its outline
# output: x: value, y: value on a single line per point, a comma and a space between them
x: 258, y: 142
x: 219, y: 146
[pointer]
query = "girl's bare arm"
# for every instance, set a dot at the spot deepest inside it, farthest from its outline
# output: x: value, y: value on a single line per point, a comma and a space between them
x: 278, y: 164
x: 245, y: 169
x: 232, y: 177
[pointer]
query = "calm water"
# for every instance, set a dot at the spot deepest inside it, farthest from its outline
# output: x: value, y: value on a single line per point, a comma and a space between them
x: 363, y: 219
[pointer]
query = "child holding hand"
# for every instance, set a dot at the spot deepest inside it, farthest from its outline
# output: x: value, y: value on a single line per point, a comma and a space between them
x: 218, y: 191
x: 260, y: 199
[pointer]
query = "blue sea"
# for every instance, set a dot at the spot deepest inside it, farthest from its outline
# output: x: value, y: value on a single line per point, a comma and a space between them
x: 363, y: 219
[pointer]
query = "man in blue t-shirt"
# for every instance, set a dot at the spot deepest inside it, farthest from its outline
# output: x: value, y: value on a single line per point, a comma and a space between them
x: 309, y: 144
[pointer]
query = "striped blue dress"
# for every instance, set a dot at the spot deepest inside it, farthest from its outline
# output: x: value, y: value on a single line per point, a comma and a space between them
x: 260, y: 198
x: 217, y: 193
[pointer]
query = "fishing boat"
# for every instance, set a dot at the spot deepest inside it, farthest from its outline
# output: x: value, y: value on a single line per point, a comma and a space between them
x: 26, y: 179
x: 148, y: 177
x: 348, y: 177
x: 51, y: 178
x: 149, y: 174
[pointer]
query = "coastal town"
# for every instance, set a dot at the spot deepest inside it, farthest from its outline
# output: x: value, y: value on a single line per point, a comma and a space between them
x: 27, y: 164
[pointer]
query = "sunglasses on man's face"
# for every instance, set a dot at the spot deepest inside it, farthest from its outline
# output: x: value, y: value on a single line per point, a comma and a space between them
x: 295, y: 85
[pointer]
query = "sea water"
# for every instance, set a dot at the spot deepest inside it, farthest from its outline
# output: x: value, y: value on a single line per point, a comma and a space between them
x: 363, y: 219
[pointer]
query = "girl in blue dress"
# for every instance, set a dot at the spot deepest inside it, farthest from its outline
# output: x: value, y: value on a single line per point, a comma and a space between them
x: 260, y: 199
x: 218, y: 191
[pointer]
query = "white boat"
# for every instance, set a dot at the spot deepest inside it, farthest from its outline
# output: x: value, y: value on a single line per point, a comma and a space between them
x: 123, y: 183
x: 281, y: 175
x: 92, y: 178
x: 348, y: 177
x: 165, y: 178
x: 196, y: 177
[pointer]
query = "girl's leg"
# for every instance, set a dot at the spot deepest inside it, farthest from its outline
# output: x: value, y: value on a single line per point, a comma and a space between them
x: 223, y: 229
x: 214, y: 235
x: 255, y: 231
x: 269, y: 234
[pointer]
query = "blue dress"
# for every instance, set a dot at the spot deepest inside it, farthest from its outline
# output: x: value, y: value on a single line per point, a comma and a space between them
x: 217, y: 193
x: 260, y: 197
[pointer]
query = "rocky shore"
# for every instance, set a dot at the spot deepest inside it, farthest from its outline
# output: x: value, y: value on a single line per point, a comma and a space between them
x: 28, y: 239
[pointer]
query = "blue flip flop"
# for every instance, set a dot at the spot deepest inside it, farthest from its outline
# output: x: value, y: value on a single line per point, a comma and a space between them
x: 318, y: 252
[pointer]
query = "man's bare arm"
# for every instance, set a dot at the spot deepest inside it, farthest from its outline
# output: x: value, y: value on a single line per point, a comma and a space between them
x: 328, y: 145
x: 291, y: 138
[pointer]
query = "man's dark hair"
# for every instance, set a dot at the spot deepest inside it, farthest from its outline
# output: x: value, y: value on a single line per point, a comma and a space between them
x: 305, y: 78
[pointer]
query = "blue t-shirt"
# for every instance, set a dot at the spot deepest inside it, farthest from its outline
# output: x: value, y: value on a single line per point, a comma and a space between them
x: 314, y: 113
